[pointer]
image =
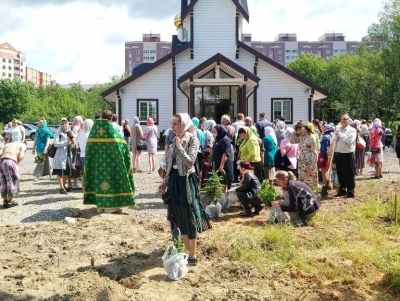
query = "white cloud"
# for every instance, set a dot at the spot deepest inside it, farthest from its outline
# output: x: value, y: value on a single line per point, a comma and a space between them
x: 84, y: 40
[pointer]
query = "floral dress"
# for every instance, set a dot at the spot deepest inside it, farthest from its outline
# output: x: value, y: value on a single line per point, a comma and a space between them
x: 151, y: 139
x: 307, y: 162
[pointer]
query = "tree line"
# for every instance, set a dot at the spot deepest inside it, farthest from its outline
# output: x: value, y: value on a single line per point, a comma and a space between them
x: 23, y: 101
x: 367, y: 84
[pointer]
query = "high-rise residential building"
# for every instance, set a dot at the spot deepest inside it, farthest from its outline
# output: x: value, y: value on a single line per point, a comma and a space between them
x: 149, y: 50
x: 284, y: 49
x: 12, y: 62
x: 13, y: 65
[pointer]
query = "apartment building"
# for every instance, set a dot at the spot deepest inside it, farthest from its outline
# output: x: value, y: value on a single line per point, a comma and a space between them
x: 13, y: 65
x: 149, y: 50
x: 286, y: 48
x: 12, y: 62
x: 38, y: 78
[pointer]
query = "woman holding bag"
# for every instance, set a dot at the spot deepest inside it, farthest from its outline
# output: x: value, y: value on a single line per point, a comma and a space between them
x: 182, y: 183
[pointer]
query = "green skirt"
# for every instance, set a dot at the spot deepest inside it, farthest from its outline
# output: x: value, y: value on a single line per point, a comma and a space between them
x: 190, y: 217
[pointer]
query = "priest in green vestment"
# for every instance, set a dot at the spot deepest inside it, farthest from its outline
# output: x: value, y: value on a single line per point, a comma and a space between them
x: 108, y: 179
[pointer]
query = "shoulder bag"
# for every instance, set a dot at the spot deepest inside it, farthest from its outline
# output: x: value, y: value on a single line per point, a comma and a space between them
x: 51, y: 150
x: 360, y: 142
x: 282, y: 162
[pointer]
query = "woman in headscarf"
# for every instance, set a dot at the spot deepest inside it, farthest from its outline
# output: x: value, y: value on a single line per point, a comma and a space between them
x: 323, y: 160
x: 77, y: 125
x: 182, y: 183
x: 375, y: 144
x: 81, y: 140
x: 250, y: 150
x: 151, y: 135
x: 222, y: 155
x: 210, y: 140
x: 40, y: 145
x: 62, y: 159
x: 202, y: 139
x: 280, y: 132
x: 290, y: 150
x: 270, y: 147
x: 307, y: 163
x: 136, y: 138
x: 13, y: 153
x: 76, y: 128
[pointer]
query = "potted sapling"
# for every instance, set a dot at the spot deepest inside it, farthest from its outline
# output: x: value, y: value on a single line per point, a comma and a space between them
x: 267, y: 194
x: 214, y: 192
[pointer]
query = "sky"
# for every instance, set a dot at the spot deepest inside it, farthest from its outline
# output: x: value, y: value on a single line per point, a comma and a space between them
x: 84, y: 40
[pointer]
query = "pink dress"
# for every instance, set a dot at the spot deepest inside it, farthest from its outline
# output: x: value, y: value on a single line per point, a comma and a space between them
x: 375, y: 141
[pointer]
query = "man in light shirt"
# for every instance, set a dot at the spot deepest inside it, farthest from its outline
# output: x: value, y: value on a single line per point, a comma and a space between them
x: 344, y: 141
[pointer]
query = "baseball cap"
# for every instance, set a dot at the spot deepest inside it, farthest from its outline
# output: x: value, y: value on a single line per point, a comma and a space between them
x: 64, y: 119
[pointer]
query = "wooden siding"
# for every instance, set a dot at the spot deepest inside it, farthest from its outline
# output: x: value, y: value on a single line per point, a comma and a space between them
x: 275, y: 84
x: 155, y: 85
x: 186, y: 26
x: 214, y: 29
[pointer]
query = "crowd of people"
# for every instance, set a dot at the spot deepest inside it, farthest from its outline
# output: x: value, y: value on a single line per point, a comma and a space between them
x: 103, y: 155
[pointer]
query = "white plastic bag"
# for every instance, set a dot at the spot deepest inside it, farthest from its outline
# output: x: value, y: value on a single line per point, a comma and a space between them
x: 275, y: 215
x: 213, y: 211
x: 233, y: 199
x: 175, y: 263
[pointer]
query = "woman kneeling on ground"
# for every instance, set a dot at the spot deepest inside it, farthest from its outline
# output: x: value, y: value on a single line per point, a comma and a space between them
x: 247, y: 191
x: 299, y: 200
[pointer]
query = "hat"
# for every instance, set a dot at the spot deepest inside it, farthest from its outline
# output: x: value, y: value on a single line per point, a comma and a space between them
x: 64, y: 119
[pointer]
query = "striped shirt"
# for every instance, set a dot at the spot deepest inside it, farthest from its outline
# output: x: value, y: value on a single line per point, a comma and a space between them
x: 346, y: 144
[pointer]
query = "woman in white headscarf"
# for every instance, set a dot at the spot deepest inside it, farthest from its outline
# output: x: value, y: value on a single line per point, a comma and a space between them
x: 182, y: 183
x: 270, y: 147
x: 208, y: 132
x: 82, y: 138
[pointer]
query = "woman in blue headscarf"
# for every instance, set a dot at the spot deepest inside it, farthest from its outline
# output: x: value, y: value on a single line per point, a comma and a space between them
x: 40, y: 145
x: 202, y: 139
x: 222, y: 155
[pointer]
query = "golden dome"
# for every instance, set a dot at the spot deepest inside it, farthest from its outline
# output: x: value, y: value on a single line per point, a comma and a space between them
x: 178, y: 21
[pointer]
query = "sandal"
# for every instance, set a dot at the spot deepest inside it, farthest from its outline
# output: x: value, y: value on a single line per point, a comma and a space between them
x: 192, y: 261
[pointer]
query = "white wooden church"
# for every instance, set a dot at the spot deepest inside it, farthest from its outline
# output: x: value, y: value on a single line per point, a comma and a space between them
x: 211, y: 72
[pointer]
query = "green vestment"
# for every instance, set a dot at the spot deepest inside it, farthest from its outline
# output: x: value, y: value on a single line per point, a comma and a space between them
x: 108, y: 179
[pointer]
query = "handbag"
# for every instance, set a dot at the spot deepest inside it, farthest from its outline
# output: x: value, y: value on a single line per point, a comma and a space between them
x: 361, y: 142
x: 51, y: 151
x: 76, y: 161
x: 141, y: 146
x: 375, y: 150
x: 282, y: 162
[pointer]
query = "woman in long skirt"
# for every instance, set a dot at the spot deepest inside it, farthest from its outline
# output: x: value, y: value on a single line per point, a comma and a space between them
x: 182, y: 183
x: 13, y: 153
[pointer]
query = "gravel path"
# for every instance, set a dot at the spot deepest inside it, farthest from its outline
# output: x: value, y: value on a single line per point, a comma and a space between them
x: 41, y: 201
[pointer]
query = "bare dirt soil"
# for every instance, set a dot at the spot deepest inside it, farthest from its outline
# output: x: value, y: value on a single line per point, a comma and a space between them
x: 109, y: 257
